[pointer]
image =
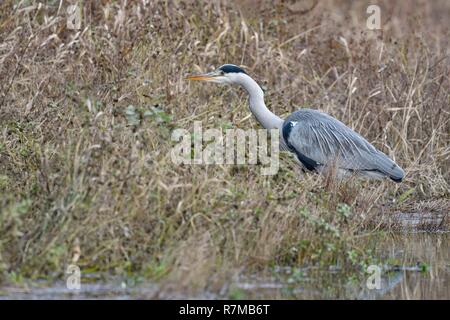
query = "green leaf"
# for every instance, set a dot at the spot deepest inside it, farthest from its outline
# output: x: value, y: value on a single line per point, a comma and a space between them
x: 159, y: 115
x: 132, y: 116
x: 405, y: 195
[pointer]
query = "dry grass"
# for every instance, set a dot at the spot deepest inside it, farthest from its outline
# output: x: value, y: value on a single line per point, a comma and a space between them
x: 78, y: 166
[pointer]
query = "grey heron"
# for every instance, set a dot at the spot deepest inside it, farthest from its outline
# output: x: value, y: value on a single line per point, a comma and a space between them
x: 317, y: 139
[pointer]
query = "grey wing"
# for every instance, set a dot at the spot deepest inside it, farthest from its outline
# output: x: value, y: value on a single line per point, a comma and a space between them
x: 318, y: 138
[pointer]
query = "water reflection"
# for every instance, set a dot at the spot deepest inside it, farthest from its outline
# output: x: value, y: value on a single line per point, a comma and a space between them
x: 415, y: 266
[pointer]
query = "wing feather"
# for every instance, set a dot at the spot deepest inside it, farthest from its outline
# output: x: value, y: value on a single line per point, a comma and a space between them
x: 322, y: 138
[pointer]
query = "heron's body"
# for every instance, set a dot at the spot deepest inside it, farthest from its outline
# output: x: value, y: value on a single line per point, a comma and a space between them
x: 318, y: 140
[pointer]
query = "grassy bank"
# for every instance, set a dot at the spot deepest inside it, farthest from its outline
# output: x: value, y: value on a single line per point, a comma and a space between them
x: 87, y: 115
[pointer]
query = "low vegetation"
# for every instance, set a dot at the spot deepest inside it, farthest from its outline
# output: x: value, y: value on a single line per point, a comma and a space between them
x: 86, y: 119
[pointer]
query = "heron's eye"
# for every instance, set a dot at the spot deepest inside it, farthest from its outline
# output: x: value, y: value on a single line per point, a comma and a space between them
x: 221, y: 73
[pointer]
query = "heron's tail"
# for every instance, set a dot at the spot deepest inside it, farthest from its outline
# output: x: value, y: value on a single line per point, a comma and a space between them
x: 389, y: 167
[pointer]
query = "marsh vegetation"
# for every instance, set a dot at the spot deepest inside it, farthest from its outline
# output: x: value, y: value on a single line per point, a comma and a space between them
x: 86, y: 119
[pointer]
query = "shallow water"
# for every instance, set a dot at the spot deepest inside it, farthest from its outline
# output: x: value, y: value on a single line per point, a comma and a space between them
x: 415, y: 266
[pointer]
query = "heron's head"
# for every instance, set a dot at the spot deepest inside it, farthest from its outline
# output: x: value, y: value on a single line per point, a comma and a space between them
x: 226, y: 74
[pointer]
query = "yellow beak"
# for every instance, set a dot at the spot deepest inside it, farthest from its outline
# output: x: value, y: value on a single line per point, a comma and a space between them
x: 200, y: 77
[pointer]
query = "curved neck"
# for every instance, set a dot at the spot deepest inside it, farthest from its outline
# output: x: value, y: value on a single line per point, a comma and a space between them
x: 256, y: 100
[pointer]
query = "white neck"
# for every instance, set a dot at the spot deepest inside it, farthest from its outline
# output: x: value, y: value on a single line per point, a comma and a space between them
x: 256, y: 100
